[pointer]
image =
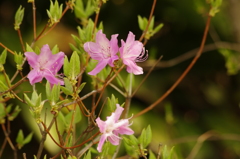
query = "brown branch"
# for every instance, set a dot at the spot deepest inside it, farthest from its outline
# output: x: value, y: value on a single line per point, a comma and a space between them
x: 21, y: 40
x: 183, y: 74
x: 7, y: 49
x: 34, y: 20
x: 149, y: 20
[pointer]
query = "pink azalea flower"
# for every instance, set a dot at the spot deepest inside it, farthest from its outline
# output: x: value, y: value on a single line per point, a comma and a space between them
x: 102, y: 50
x: 44, y: 65
x: 112, y: 127
x: 131, y: 52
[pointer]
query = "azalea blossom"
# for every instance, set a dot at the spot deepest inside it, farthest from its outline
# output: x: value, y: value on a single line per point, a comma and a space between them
x: 112, y: 127
x: 131, y: 52
x: 44, y: 65
x: 102, y: 50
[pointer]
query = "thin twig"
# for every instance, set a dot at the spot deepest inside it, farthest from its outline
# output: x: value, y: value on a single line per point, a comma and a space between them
x: 34, y: 20
x: 183, y: 74
x: 149, y: 20
x: 1, y: 44
x: 21, y: 40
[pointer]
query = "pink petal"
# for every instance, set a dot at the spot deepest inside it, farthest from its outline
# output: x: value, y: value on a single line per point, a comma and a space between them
x: 114, y: 45
x: 123, y: 127
x: 56, y: 62
x: 45, y: 55
x: 134, y: 51
x: 118, y: 112
x: 130, y: 38
x: 101, y: 124
x: 52, y: 79
x: 99, y: 67
x: 101, y: 39
x: 32, y: 59
x: 101, y: 142
x: 34, y: 76
x: 94, y: 50
x: 114, y: 139
x: 132, y: 67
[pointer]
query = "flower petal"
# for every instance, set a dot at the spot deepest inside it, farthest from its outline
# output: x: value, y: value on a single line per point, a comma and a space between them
x: 94, y: 50
x: 32, y: 59
x: 132, y: 67
x: 55, y: 63
x: 101, y: 142
x: 52, y: 79
x: 114, y: 139
x: 34, y: 76
x: 101, y: 124
x: 99, y: 67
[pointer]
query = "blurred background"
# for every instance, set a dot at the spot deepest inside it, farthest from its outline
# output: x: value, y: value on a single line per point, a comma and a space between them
x: 205, y: 105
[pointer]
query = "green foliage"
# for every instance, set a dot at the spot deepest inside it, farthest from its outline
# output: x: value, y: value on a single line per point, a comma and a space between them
x: 18, y: 58
x: 14, y: 113
x: 111, y: 103
x: 55, y: 12
x: 28, y: 48
x: 232, y: 61
x: 3, y: 57
x: 66, y: 119
x: 18, y: 18
x: 85, y: 34
x: 82, y: 12
x: 88, y: 155
x: 145, y: 137
x: 68, y: 89
x: 35, y: 104
x: 53, y: 93
x: 21, y: 141
x: 215, y: 4
x: 166, y: 154
x: 72, y: 69
x: 35, y: 99
x: 143, y: 22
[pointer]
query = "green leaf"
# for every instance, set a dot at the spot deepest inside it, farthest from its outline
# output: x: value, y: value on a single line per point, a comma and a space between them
x: 145, y: 137
x: 28, y: 138
x: 18, y: 18
x: 20, y: 139
x: 151, y: 25
x: 157, y: 28
x: 2, y: 111
x: 36, y: 99
x: 151, y: 155
x: 131, y: 146
x: 3, y: 87
x: 29, y: 49
x: 81, y: 87
x: 55, y: 12
x: 3, y: 57
x: 28, y: 101
x: 55, y: 93
x: 55, y: 49
x: 232, y: 61
x: 14, y: 114
x: 111, y: 103
x: 88, y: 156
x: 74, y: 65
x: 171, y: 153
x: 66, y: 67
x: 141, y: 22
